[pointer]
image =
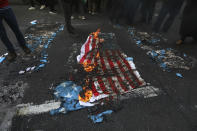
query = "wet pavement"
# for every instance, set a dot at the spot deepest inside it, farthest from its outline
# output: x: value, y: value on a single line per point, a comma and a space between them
x: 174, y: 109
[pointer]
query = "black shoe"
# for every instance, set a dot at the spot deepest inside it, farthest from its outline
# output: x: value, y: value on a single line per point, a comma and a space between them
x: 26, y: 50
x: 11, y: 56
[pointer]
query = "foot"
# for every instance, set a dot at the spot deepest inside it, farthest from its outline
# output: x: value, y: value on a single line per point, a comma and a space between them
x: 72, y: 17
x: 42, y: 7
x: 93, y: 13
x: 179, y: 42
x: 26, y: 50
x: 52, y: 12
x: 82, y: 17
x: 11, y: 56
x: 32, y: 8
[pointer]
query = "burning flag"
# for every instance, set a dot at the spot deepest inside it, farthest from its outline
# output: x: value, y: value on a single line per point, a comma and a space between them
x: 115, y: 73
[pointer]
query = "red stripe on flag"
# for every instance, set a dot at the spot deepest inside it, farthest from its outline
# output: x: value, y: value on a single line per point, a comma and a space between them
x: 94, y: 90
x: 102, y: 85
x: 114, y: 70
x: 92, y: 52
x: 129, y: 67
x: 123, y: 71
x: 112, y: 85
x: 102, y: 63
x: 87, y: 48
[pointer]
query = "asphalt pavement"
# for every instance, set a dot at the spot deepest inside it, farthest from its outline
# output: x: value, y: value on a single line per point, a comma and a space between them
x: 174, y: 110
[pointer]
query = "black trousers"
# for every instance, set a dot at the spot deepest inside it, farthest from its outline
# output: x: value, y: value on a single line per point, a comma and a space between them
x: 42, y: 2
x: 147, y: 10
x: 10, y: 19
x: 67, y: 6
x: 32, y: 3
x: 173, y: 10
x: 50, y: 3
x: 131, y: 7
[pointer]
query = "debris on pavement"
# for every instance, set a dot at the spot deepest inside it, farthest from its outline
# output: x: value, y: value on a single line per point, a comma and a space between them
x: 99, y: 117
x: 2, y: 58
x: 34, y: 22
x: 168, y: 59
x: 21, y: 72
x: 179, y: 75
x: 12, y: 93
x: 39, y: 37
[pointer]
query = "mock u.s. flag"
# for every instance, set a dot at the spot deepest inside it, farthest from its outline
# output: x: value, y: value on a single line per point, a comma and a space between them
x: 116, y: 73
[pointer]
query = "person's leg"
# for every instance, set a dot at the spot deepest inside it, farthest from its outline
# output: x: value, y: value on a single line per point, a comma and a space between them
x: 132, y: 10
x: 172, y: 15
x: 4, y: 37
x: 81, y: 10
x: 43, y: 4
x: 151, y: 10
x: 12, y: 22
x: 90, y: 6
x: 67, y: 14
x: 181, y: 41
x: 162, y: 15
x: 32, y: 3
x: 144, y: 10
x: 52, y: 4
x: 93, y: 7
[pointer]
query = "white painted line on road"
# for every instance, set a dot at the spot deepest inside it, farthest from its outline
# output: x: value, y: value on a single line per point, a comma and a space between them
x: 30, y: 109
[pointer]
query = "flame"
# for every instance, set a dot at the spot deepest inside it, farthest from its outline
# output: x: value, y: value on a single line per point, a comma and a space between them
x: 97, y: 55
x: 88, y: 94
x: 96, y: 33
x: 88, y: 67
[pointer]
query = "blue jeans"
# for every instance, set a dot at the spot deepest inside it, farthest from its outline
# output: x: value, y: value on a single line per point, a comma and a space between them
x: 8, y: 15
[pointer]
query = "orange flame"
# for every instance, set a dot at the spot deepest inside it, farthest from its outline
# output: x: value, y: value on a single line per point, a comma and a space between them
x: 97, y: 55
x: 88, y: 94
x: 96, y: 33
x: 88, y: 67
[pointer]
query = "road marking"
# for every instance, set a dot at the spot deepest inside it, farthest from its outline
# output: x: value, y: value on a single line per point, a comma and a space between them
x: 30, y: 109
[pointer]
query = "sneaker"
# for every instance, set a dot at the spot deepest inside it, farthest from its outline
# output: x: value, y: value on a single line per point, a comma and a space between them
x: 11, y: 56
x: 26, y: 50
x: 32, y: 8
x: 72, y: 17
x: 52, y: 13
x: 42, y: 7
x: 90, y: 12
x: 82, y: 17
x: 93, y: 13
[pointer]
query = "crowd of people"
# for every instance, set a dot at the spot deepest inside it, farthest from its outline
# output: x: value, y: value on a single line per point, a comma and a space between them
x: 81, y: 6
x: 116, y: 10
x: 125, y: 10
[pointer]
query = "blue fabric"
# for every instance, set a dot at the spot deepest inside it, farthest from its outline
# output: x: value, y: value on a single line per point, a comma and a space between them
x: 67, y: 93
x: 99, y: 117
x: 10, y: 19
x: 2, y: 59
x: 179, y: 75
